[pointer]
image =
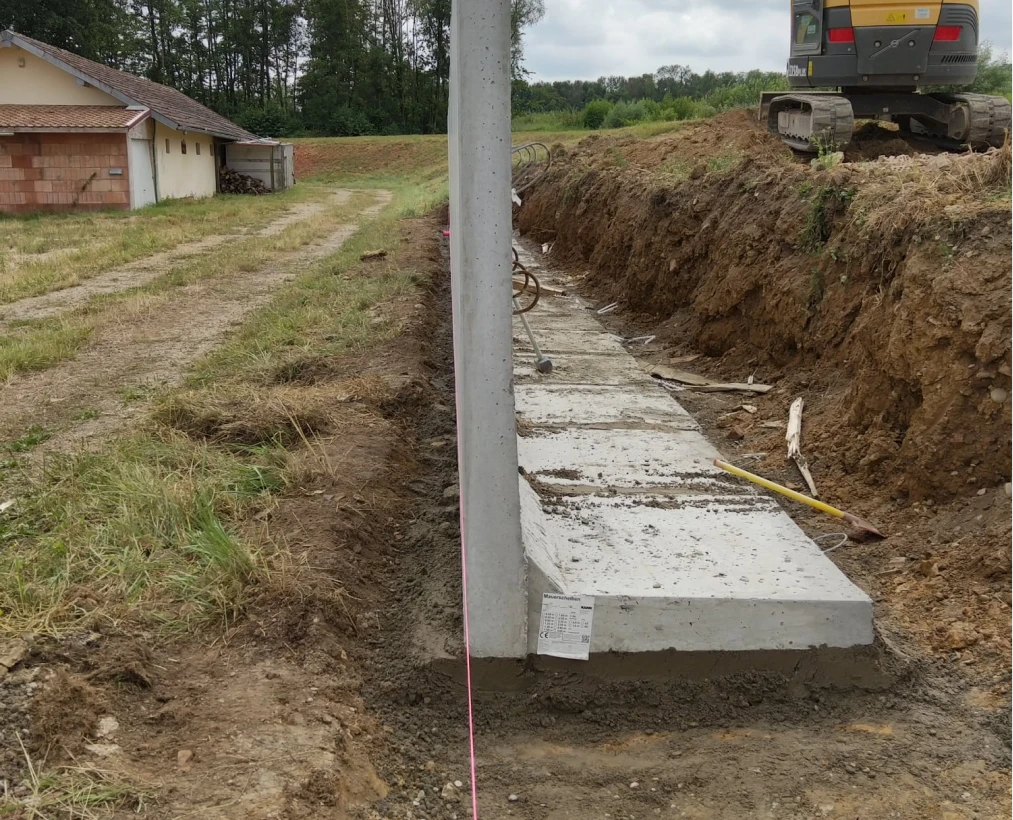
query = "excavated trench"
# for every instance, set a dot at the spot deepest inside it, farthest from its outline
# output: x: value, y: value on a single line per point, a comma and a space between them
x: 892, y: 276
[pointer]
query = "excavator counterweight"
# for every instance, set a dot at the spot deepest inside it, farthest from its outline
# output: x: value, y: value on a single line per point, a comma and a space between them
x: 877, y: 56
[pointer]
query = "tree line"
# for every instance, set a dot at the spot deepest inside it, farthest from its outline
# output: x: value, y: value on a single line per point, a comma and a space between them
x: 673, y: 92
x: 671, y: 81
x: 676, y: 92
x: 277, y: 67
x: 350, y: 67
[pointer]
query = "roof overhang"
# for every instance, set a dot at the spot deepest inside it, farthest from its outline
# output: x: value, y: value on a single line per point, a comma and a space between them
x: 8, y: 38
x: 11, y: 126
x: 7, y: 130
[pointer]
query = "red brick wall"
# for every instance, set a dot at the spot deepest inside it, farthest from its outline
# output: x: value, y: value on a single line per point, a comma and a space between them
x: 63, y: 172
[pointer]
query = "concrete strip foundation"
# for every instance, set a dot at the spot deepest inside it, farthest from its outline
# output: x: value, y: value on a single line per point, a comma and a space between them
x: 620, y: 500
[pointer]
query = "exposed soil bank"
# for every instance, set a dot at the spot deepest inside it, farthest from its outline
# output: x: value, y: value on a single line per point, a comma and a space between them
x: 891, y: 275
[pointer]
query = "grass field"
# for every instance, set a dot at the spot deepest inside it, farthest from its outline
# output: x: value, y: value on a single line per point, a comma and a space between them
x: 37, y: 344
x: 39, y: 253
x: 149, y: 527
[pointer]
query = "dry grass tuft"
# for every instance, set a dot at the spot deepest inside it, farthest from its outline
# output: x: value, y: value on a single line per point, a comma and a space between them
x: 986, y: 173
x: 242, y: 415
x: 310, y: 368
x: 280, y: 414
x: 83, y: 792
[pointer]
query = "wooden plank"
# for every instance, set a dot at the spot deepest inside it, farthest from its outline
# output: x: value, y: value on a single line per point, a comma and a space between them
x: 703, y: 384
x: 794, y: 438
x: 544, y: 290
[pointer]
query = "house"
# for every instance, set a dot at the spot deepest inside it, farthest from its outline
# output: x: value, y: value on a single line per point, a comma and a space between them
x: 76, y: 135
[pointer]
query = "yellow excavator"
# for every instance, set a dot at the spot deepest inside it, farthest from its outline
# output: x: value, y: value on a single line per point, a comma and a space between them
x: 877, y: 55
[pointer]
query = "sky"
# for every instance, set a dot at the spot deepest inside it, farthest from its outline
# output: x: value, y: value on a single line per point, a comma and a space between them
x: 585, y: 39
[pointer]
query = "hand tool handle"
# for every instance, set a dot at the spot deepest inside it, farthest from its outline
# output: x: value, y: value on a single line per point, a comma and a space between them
x: 777, y: 488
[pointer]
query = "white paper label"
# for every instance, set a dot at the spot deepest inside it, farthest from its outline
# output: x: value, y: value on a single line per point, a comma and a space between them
x: 564, y: 629
x: 921, y: 14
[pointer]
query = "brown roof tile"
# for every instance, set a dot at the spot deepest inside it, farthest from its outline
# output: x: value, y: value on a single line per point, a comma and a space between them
x: 172, y: 105
x: 67, y: 116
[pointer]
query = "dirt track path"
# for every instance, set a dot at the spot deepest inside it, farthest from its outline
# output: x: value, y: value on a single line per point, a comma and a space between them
x: 152, y: 346
x: 143, y: 271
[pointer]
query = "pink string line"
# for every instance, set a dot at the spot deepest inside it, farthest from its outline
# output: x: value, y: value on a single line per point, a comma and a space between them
x: 467, y: 635
x: 467, y: 668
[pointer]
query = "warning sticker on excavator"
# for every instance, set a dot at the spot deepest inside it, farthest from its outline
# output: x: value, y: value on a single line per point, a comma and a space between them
x: 896, y: 17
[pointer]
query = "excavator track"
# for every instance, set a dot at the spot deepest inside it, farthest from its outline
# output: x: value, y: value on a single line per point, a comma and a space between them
x: 809, y: 122
x: 973, y: 120
x: 988, y: 118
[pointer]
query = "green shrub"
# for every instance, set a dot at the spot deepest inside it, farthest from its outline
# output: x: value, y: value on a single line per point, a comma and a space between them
x: 625, y: 113
x: 683, y: 108
x: 270, y: 120
x: 596, y: 112
x: 568, y: 119
x: 745, y: 91
x: 347, y: 122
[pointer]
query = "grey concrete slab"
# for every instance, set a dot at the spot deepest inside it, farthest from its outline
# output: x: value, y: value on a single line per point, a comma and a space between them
x: 620, y: 500
x: 550, y: 405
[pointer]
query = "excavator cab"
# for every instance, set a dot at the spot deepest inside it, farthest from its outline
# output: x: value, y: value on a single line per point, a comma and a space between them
x: 875, y: 56
x: 807, y: 29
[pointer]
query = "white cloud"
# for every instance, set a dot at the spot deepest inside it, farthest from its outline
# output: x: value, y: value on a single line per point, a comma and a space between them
x: 585, y: 39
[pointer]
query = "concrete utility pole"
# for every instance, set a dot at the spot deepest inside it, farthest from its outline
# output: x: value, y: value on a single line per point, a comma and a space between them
x: 480, y: 242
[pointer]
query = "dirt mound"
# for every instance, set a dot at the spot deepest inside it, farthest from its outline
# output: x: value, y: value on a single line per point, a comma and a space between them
x: 720, y: 143
x: 65, y: 714
x: 892, y: 275
x: 690, y: 149
x: 872, y: 140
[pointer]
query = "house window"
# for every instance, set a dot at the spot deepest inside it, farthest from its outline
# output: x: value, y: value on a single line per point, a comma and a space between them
x: 198, y: 149
x: 167, y: 145
x: 182, y: 146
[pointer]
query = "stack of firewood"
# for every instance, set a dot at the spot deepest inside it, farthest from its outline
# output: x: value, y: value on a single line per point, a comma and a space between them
x: 236, y: 183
